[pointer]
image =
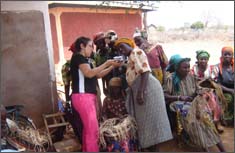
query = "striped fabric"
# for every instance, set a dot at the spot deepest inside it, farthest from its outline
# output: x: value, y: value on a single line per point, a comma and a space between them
x: 201, y: 131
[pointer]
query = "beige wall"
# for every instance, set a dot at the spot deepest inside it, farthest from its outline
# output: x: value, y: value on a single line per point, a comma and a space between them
x: 27, y: 66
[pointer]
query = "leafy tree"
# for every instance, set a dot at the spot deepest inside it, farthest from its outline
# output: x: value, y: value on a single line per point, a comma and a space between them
x: 161, y: 28
x: 197, y: 25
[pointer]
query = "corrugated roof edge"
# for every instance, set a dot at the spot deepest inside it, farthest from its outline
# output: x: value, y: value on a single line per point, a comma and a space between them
x: 53, y: 4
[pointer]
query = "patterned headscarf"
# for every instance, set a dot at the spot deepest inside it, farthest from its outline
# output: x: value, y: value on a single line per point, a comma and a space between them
x: 202, y: 53
x: 228, y: 49
x: 127, y: 41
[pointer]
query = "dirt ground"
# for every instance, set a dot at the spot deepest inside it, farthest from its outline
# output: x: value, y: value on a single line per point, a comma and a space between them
x: 227, y: 138
x: 172, y: 146
x: 189, y: 48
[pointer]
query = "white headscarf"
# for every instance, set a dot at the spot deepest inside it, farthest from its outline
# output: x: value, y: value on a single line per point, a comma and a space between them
x: 137, y: 34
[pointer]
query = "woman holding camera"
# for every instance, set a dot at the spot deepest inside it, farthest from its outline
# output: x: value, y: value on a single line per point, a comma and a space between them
x: 84, y: 80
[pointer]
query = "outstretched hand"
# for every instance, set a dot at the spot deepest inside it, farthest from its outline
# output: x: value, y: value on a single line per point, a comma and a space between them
x: 231, y: 91
x: 117, y: 63
x: 110, y: 62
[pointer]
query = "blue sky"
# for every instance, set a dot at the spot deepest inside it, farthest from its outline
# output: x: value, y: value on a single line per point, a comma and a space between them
x: 173, y: 14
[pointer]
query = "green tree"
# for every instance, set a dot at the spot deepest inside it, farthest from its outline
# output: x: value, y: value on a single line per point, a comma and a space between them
x: 197, y: 25
x: 161, y: 28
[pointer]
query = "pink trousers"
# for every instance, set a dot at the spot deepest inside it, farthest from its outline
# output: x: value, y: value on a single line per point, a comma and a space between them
x: 84, y: 104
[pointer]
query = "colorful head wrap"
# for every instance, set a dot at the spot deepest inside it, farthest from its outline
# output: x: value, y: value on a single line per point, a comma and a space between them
x: 128, y: 41
x: 115, y: 81
x: 98, y: 36
x: 229, y: 49
x: 202, y: 53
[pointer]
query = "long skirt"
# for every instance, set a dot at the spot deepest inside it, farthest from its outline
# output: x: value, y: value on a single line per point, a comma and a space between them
x: 153, y: 125
x: 229, y: 112
x: 197, y: 121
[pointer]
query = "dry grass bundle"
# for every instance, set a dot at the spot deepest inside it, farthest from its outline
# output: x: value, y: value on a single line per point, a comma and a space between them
x: 117, y: 129
x: 31, y: 136
x: 34, y: 137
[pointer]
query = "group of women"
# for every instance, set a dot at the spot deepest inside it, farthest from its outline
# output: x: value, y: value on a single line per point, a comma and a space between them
x: 158, y: 94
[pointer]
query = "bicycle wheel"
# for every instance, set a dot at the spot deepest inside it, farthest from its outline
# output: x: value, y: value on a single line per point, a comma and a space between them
x: 23, y: 122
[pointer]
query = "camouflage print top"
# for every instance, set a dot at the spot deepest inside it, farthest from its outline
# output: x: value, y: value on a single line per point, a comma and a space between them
x: 66, y: 75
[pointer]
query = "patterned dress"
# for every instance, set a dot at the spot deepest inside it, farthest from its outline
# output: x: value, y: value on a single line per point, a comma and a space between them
x: 137, y: 64
x: 113, y: 109
x: 215, y: 104
x: 209, y: 72
x: 226, y: 78
x: 151, y: 117
x: 157, y: 60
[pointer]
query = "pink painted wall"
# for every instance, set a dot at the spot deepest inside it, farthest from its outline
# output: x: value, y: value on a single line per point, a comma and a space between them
x: 75, y: 24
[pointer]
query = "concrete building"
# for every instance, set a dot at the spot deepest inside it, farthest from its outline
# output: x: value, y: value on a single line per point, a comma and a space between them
x: 27, y: 63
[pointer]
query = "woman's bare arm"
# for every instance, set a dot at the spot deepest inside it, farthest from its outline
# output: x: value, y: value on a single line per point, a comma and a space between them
x: 104, y: 72
x: 170, y: 98
x: 88, y: 72
x: 142, y: 87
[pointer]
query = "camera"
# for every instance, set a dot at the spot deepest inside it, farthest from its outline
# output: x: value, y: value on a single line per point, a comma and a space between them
x: 119, y: 58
